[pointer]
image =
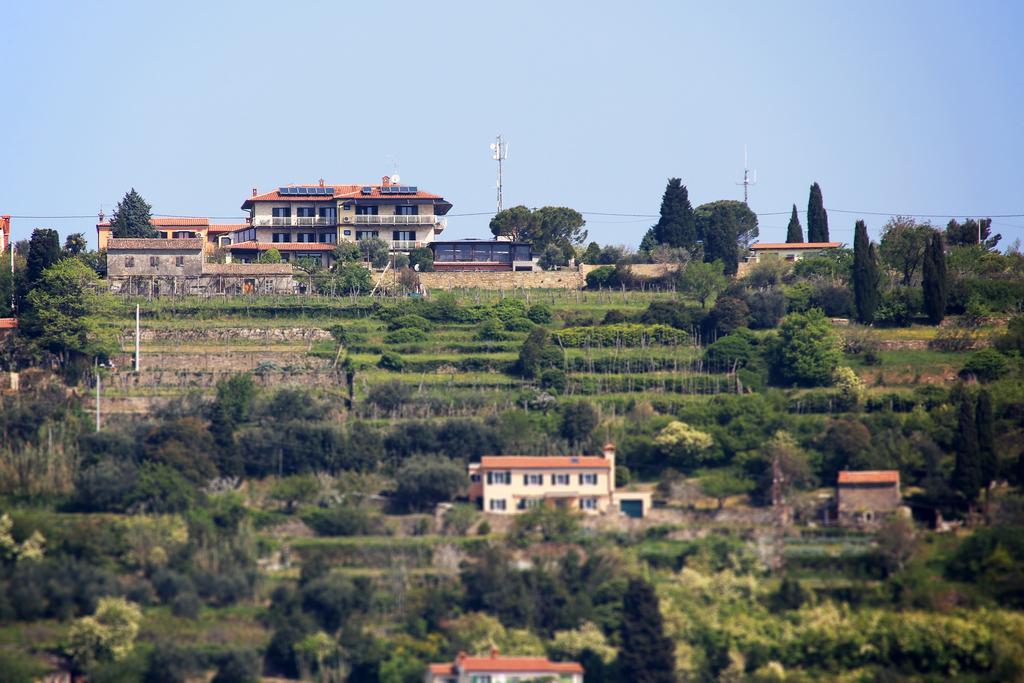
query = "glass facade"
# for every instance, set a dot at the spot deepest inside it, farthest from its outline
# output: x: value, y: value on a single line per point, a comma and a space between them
x: 481, y: 252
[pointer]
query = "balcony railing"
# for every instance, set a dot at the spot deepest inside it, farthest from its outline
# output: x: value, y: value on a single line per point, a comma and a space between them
x: 426, y: 219
x: 296, y: 221
x: 406, y: 245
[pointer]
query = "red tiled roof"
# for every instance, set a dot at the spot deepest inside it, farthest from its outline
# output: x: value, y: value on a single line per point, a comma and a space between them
x: 529, y: 462
x: 340, y: 192
x: 283, y: 246
x: 133, y: 243
x: 507, y: 664
x: 8, y: 323
x: 169, y: 222
x: 870, y: 477
x: 795, y: 245
x: 228, y: 227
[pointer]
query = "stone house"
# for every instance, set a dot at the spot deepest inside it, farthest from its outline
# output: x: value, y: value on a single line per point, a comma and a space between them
x: 865, y: 498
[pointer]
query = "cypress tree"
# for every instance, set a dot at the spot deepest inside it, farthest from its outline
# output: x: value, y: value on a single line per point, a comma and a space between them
x: 647, y: 654
x: 43, y: 252
x: 986, y: 438
x: 967, y: 472
x: 866, y: 275
x: 794, y: 231
x: 817, y: 218
x: 677, y: 226
x: 132, y: 217
x: 935, y: 283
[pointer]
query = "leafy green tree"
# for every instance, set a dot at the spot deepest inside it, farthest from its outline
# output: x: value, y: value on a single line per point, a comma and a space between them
x: 935, y: 280
x: 108, y: 635
x: 794, y: 231
x: 534, y: 354
x: 346, y: 252
x: 375, y: 250
x: 966, y: 233
x: 295, y: 490
x: 703, y: 280
x: 646, y: 654
x: 808, y: 350
x: 551, y: 258
x: 579, y: 419
x: 514, y: 223
x: 903, y: 246
x: 684, y: 444
x: 75, y: 244
x: 351, y: 278
x: 987, y: 365
x: 423, y: 482
x: 723, y: 483
x: 968, y: 471
x: 421, y: 260
x: 986, y: 438
x: 43, y: 252
x: 231, y: 407
x: 867, y: 277
x: 727, y: 228
x: 238, y: 666
x: 66, y: 309
x: 271, y: 255
x: 591, y: 254
x: 132, y: 217
x: 817, y: 217
x: 677, y: 225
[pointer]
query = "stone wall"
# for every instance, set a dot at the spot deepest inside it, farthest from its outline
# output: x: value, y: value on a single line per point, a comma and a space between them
x: 229, y: 334
x: 559, y: 279
x: 652, y: 270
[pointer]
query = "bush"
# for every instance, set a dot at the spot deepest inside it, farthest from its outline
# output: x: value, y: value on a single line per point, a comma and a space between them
x: 186, y: 605
x: 238, y: 667
x: 491, y: 329
x: 553, y: 380
x: 807, y: 352
x: 343, y: 521
x: 766, y: 308
x: 406, y: 336
x: 390, y: 396
x: 835, y: 301
x: 540, y: 314
x: 899, y: 307
x: 519, y: 325
x: 423, y: 482
x: 410, y: 322
x: 626, y: 334
x: 735, y: 350
x: 987, y: 365
x: 390, y: 360
x: 422, y: 257
x: 600, y: 277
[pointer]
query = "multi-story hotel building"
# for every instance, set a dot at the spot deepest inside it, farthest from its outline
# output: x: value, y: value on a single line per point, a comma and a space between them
x: 307, y: 221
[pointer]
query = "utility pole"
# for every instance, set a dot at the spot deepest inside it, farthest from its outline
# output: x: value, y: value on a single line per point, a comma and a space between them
x: 747, y: 179
x: 499, y: 149
x: 137, y: 337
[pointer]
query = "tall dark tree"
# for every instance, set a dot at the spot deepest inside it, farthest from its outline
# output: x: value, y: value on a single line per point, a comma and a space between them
x: 647, y: 655
x: 986, y: 438
x: 817, y: 218
x: 132, y: 217
x: 966, y: 233
x: 727, y: 228
x: 866, y: 275
x: 794, y: 231
x: 43, y: 252
x: 968, y: 473
x: 75, y: 244
x: 677, y: 226
x: 935, y: 281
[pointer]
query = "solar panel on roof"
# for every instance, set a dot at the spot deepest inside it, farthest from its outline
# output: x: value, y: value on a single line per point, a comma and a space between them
x: 367, y: 190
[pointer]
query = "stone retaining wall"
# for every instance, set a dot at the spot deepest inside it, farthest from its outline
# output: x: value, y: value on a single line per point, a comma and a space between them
x: 227, y: 334
x: 558, y: 279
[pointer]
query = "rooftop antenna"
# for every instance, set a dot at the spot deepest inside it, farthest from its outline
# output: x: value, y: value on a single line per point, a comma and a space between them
x: 747, y: 179
x: 499, y: 152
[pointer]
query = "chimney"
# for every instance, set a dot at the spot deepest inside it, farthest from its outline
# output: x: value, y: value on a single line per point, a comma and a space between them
x: 386, y: 180
x: 321, y: 182
x: 254, y: 192
x: 608, y: 451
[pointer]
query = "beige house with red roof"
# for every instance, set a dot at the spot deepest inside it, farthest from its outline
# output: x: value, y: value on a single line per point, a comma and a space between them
x: 176, y: 228
x: 867, y: 497
x: 512, y: 484
x: 788, y: 251
x: 498, y: 669
x: 307, y: 221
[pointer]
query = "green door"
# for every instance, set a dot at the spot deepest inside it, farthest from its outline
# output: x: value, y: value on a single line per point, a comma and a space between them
x: 632, y: 508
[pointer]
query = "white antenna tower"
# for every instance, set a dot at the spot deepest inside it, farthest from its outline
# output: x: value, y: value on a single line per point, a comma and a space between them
x: 748, y: 177
x: 499, y: 152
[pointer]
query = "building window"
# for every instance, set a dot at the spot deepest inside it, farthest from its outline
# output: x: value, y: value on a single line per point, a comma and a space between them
x: 281, y: 237
x: 560, y: 479
x: 179, y: 261
x: 328, y: 237
x: 328, y: 215
x: 528, y: 503
x: 480, y: 678
x: 366, y: 210
x: 305, y: 212
x: 499, y: 477
x: 588, y: 480
x: 314, y: 258
x: 403, y: 235
x: 129, y: 261
x: 281, y: 212
x: 305, y: 237
x: 154, y: 261
x: 407, y: 210
x: 588, y: 503
x: 366, y: 234
x: 533, y: 479
x: 497, y: 504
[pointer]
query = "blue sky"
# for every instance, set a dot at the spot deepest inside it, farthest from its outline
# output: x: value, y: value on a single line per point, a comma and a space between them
x: 912, y: 107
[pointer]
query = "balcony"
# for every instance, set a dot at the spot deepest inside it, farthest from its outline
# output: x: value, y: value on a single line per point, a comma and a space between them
x: 426, y: 219
x: 296, y: 221
x: 405, y: 245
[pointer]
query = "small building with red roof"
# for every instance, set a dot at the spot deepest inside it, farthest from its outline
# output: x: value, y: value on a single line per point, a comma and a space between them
x: 499, y: 669
x: 788, y: 251
x: 866, y: 497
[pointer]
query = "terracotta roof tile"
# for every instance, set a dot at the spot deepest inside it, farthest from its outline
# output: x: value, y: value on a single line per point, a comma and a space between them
x: 795, y: 245
x: 508, y: 664
x: 870, y: 477
x: 8, y: 323
x: 228, y: 227
x: 543, y: 461
x: 165, y: 222
x: 131, y: 244
x: 340, y: 192
x: 283, y: 246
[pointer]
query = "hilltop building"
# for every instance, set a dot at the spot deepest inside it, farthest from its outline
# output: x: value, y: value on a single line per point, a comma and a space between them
x: 865, y: 498
x: 511, y: 484
x: 307, y: 221
x: 788, y: 251
x: 176, y: 228
x: 487, y: 255
x: 498, y: 669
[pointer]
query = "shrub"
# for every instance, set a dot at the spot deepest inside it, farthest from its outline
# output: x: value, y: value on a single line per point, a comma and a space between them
x: 422, y: 257
x: 186, y: 605
x: 766, y: 308
x: 807, y: 352
x: 423, y: 482
x: 343, y: 520
x: 579, y: 420
x: 406, y: 336
x: 553, y: 380
x: 390, y: 396
x: 626, y: 334
x: 600, y: 277
x: 835, y: 301
x: 728, y: 314
x: 735, y: 350
x: 987, y: 365
x: 410, y: 322
x: 238, y: 666
x: 898, y: 307
x: 491, y: 329
x: 392, y: 361
x: 539, y: 313
x: 519, y: 325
